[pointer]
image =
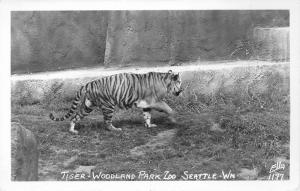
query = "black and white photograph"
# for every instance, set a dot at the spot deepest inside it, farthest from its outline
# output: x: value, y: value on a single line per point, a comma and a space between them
x: 163, y: 95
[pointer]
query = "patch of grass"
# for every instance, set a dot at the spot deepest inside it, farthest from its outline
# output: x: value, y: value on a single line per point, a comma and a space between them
x: 250, y: 105
x: 253, y: 139
x: 35, y: 109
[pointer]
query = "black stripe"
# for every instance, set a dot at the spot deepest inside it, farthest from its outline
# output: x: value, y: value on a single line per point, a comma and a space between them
x: 73, y: 107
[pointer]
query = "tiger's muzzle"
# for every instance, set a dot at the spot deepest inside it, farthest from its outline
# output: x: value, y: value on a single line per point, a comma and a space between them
x: 177, y: 93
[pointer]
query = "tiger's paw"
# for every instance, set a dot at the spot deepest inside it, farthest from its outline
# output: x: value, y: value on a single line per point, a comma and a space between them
x: 150, y: 125
x: 74, y: 131
x: 172, y: 119
x: 113, y: 128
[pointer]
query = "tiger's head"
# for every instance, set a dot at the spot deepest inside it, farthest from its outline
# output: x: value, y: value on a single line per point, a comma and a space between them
x: 174, y: 85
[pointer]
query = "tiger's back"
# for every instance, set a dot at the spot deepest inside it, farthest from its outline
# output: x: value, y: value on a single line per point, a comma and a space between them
x: 125, y: 89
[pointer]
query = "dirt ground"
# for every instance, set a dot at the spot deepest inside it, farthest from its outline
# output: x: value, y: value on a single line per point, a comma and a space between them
x: 198, y: 143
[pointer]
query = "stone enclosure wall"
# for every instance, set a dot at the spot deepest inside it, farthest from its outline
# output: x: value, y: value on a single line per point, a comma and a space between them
x: 55, y: 40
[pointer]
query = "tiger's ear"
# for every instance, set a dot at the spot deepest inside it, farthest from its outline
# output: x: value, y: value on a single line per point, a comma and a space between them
x: 170, y: 72
x: 175, y: 77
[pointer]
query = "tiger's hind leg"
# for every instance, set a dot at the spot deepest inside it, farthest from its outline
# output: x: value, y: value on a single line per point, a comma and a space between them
x: 84, y: 111
x: 108, y: 114
x: 73, y: 123
x: 147, y: 117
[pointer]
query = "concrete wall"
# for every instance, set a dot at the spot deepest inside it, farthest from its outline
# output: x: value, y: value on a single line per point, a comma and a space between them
x: 43, y: 41
x: 273, y: 43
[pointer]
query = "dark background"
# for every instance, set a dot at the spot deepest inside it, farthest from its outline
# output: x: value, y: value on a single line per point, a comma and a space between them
x: 55, y: 40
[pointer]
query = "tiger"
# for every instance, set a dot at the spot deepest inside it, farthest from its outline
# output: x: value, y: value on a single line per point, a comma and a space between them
x: 124, y: 90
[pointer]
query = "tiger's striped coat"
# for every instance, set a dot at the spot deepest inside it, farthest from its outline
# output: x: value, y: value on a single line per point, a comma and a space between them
x: 124, y: 90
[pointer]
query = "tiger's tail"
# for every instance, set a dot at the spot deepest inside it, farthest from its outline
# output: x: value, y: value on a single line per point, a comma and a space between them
x: 71, y: 110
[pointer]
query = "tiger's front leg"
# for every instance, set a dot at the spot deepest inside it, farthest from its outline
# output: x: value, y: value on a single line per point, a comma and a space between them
x: 163, y: 107
x: 159, y: 106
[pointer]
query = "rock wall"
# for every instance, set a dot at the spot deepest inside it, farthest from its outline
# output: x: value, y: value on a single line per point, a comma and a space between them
x: 24, y: 154
x: 175, y: 36
x: 43, y: 41
x: 55, y: 40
